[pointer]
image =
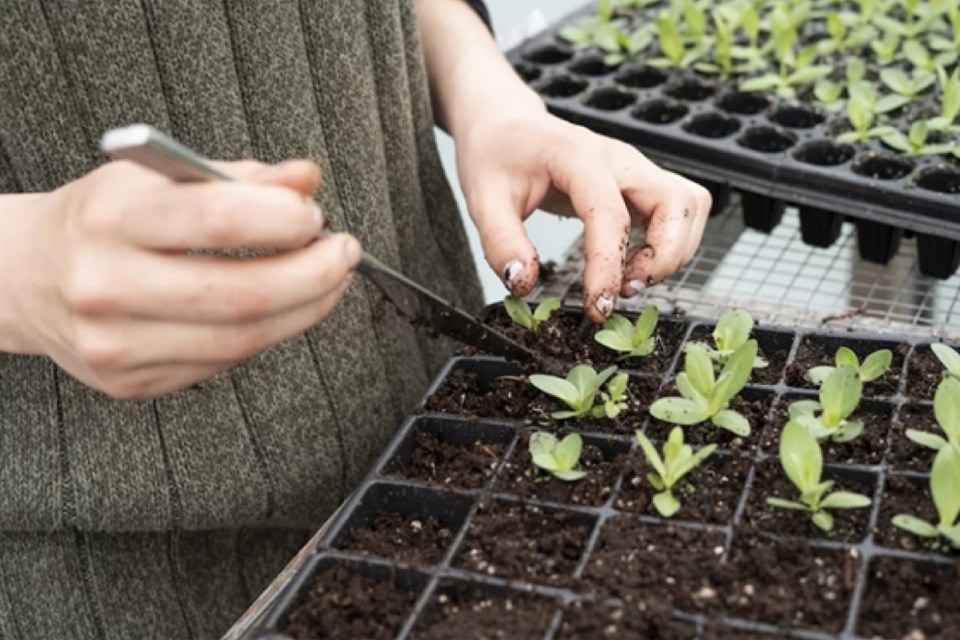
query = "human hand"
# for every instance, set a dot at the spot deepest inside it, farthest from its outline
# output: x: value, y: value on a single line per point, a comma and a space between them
x: 114, y: 297
x: 512, y: 164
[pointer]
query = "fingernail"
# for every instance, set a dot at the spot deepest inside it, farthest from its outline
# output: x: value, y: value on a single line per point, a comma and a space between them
x: 351, y: 250
x: 633, y: 288
x: 604, y: 304
x: 510, y: 273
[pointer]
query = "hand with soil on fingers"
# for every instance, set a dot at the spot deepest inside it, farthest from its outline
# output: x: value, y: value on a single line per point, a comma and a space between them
x: 115, y: 296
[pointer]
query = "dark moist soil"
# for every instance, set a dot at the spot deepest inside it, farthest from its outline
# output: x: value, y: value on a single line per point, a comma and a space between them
x: 866, y: 449
x: 850, y: 525
x: 343, y: 604
x: 435, y: 460
x: 905, y: 454
x: 593, y: 621
x: 669, y: 335
x: 710, y: 493
x: 785, y: 583
x: 906, y: 599
x: 754, y: 404
x: 924, y: 373
x: 462, y: 612
x: 563, y: 336
x: 402, y: 538
x: 729, y: 633
x: 650, y: 565
x: 813, y: 353
x: 520, y: 477
x: 774, y: 353
x: 524, y: 542
x: 902, y: 494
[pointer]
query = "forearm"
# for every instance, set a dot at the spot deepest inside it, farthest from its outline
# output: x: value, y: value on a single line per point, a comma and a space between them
x: 16, y: 213
x: 469, y: 77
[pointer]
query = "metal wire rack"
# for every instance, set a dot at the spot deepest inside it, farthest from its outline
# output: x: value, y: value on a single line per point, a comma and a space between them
x: 781, y: 280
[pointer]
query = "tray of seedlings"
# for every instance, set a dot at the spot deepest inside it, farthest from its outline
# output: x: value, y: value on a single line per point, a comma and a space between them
x: 845, y: 108
x: 672, y: 478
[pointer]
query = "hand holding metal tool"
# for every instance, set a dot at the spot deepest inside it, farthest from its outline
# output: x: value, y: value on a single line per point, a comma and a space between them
x: 152, y: 149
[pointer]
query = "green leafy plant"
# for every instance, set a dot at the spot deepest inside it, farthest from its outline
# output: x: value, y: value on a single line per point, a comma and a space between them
x: 940, y: 42
x: 579, y: 391
x: 830, y: 94
x: 874, y: 365
x: 946, y: 408
x: 945, y: 489
x: 829, y: 418
x: 923, y: 61
x: 949, y: 102
x: 802, y: 461
x: 732, y: 331
x: 918, y: 19
x: 841, y: 38
x: 862, y: 107
x: 916, y: 141
x: 678, y: 460
x: 629, y: 339
x: 519, y: 311
x: 886, y: 48
x: 675, y: 52
x: 558, y: 457
x: 614, y: 397
x: 908, y: 86
x: 948, y: 357
x: 706, y: 397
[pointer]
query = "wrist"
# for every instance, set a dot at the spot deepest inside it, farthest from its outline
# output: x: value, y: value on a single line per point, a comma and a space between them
x: 19, y: 216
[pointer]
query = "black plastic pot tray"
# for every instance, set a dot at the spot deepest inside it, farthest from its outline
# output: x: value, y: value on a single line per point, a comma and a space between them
x: 868, y: 580
x: 775, y: 152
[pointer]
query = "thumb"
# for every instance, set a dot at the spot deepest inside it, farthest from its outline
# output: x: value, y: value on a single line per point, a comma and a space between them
x: 505, y: 243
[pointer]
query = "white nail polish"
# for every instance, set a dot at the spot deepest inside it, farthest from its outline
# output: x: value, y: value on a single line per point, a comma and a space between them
x: 511, y: 271
x: 604, y: 305
x: 634, y: 287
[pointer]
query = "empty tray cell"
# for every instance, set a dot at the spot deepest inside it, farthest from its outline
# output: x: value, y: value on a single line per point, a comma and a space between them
x: 795, y: 116
x: 710, y: 493
x: 637, y: 561
x: 609, y: 99
x: 450, y: 452
x: 767, y: 139
x: 819, y: 227
x: 689, y: 89
x: 564, y: 336
x: 882, y: 166
x: 398, y: 522
x: 339, y: 599
x: 744, y: 104
x: 548, y: 54
x: 561, y: 86
x: 770, y: 481
x: 591, y: 65
x: 711, y: 124
x: 924, y: 373
x: 773, y: 346
x: 761, y: 213
x: 482, y: 388
x: 823, y: 153
x: 910, y: 599
x: 938, y: 257
x: 601, y: 459
x: 905, y: 454
x: 461, y: 610
x: 531, y: 543
x: 660, y: 111
x: 640, y: 77
x: 866, y: 449
x: 669, y: 334
x: 596, y: 621
x: 877, y: 242
x: 819, y: 350
x: 910, y: 495
x: 527, y: 72
x: 942, y: 179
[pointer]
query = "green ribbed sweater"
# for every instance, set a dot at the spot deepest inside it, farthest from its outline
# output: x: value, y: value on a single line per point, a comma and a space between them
x: 166, y: 518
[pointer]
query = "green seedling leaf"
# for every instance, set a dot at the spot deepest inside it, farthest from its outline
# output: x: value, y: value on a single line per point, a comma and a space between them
x: 699, y: 369
x: 945, y: 489
x: 679, y: 411
x: 875, y: 365
x: 559, y: 388
x: 545, y: 309
x: 916, y: 526
x: 762, y: 83
x: 946, y: 408
x: 631, y: 340
x: 732, y: 421
x: 677, y: 461
x: 557, y: 457
x: 844, y: 500
x: 786, y: 504
x: 840, y: 394
x: 666, y: 504
x: 828, y: 92
x: 519, y: 312
x: 614, y: 398
x: 948, y: 357
x: 734, y: 375
x: 578, y: 390
x: 732, y: 330
x: 926, y: 439
x: 823, y: 520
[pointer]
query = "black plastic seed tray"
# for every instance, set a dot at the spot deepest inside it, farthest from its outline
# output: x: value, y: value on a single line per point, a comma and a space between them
x: 775, y: 152
x: 537, y: 559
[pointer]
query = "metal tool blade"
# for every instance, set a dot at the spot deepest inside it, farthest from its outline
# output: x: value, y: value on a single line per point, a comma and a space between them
x: 152, y: 149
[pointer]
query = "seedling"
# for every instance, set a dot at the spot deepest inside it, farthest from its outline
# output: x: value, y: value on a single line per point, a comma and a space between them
x: 843, y: 39
x: 706, y: 397
x: 939, y: 42
x: 732, y: 331
x: 519, y: 311
x: 886, y: 48
x: 918, y: 20
x: 579, y: 391
x: 802, y: 461
x: 916, y: 143
x: 921, y: 59
x: 629, y: 339
x: 795, y: 71
x: 828, y: 418
x: 558, y: 457
x: 678, y: 460
x: 830, y: 94
x: 908, y: 86
x: 945, y: 488
x: 946, y: 408
x: 874, y: 365
x: 948, y: 357
x: 949, y: 102
x: 675, y: 53
x: 615, y: 396
x: 862, y: 108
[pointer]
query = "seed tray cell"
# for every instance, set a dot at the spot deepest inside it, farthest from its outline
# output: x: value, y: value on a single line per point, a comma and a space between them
x: 774, y: 151
x: 606, y: 560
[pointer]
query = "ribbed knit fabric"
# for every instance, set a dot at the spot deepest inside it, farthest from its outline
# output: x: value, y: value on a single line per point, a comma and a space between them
x: 165, y: 518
